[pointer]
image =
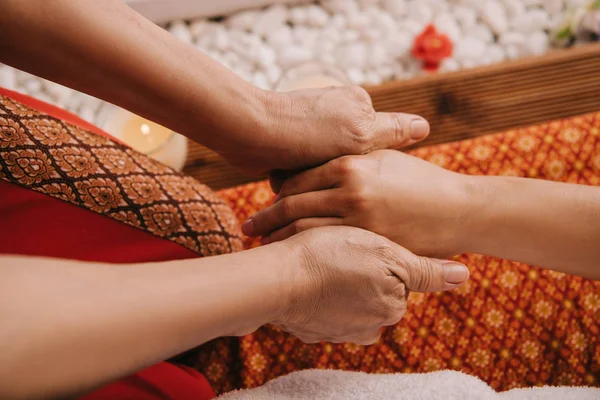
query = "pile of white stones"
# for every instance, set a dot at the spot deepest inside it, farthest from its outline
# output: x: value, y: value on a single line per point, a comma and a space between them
x: 370, y: 40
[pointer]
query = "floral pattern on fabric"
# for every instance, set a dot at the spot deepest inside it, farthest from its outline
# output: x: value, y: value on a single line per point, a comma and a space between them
x: 72, y: 164
x: 512, y: 325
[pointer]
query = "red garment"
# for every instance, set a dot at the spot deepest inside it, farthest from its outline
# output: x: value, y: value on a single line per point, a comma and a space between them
x: 33, y: 223
x: 162, y: 381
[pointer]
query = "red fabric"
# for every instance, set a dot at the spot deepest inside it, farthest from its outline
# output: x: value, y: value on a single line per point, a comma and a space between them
x: 33, y: 223
x: 161, y: 381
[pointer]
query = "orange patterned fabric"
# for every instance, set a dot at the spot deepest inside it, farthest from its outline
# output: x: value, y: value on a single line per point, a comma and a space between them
x: 512, y: 325
x: 72, y: 164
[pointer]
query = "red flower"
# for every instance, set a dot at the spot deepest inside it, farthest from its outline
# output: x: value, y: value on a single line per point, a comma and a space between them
x: 431, y: 47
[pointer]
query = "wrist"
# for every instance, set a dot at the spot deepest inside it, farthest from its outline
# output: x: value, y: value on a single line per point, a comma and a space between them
x: 477, y: 193
x: 287, y: 269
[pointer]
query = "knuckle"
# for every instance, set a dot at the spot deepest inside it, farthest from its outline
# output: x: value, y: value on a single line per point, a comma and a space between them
x: 422, y: 279
x: 397, y: 125
x: 286, y: 208
x: 298, y: 226
x: 359, y: 93
x: 348, y: 166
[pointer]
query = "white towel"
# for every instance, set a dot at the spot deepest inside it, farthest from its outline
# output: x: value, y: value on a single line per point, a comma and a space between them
x: 447, y: 385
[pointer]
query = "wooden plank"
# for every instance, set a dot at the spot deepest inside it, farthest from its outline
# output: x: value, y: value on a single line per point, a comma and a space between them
x: 468, y: 103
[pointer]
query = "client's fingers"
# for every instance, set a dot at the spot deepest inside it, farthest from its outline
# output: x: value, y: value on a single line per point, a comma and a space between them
x: 324, y: 203
x: 318, y: 178
x: 297, y: 227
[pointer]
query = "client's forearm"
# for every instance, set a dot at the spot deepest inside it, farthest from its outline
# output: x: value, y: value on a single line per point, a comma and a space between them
x: 75, y: 325
x: 549, y: 224
x: 106, y: 49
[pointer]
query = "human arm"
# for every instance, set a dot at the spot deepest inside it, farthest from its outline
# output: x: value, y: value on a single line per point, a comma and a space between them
x: 435, y: 212
x: 106, y: 49
x: 75, y: 325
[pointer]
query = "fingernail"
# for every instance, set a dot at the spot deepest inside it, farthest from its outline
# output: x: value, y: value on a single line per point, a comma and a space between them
x: 419, y: 129
x: 455, y: 273
x: 264, y: 241
x: 248, y: 227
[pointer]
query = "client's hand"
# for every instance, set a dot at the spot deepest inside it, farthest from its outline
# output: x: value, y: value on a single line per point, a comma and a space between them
x: 348, y: 283
x: 408, y: 200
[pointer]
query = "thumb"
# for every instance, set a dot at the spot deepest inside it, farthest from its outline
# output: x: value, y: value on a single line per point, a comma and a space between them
x: 395, y: 130
x: 422, y: 274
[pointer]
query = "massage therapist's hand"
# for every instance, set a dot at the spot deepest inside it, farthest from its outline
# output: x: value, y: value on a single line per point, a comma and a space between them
x: 348, y: 283
x: 305, y: 128
x: 410, y: 201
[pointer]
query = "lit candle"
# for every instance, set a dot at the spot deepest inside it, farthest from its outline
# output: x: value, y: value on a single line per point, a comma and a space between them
x: 145, y: 136
x: 311, y: 76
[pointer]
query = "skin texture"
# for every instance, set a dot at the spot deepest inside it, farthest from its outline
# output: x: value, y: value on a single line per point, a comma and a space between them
x: 440, y: 213
x: 332, y: 283
x: 143, y: 68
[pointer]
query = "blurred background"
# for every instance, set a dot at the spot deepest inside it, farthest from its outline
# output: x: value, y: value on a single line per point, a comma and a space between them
x: 370, y: 41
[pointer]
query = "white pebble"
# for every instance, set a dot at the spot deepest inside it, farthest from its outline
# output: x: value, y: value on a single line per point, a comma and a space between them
x: 294, y: 55
x: 358, y: 21
x: 531, y: 21
x: 514, y: 8
x: 481, y: 32
x: 273, y: 74
x: 180, y: 30
x: 420, y: 12
x: 265, y: 55
x: 260, y: 80
x: 365, y: 4
x: 512, y: 52
x: 59, y: 92
x: 244, y: 20
x: 271, y: 19
x: 554, y: 7
x: 385, y: 71
x: 46, y: 98
x: 327, y: 58
x: 537, y: 43
x: 352, y: 55
x: 398, y: 71
x: 398, y: 45
x: 465, y: 16
x: 469, y: 48
x: 350, y: 36
x: 372, y: 34
x: 33, y: 86
x: 494, y: 14
x: 512, y: 38
x: 412, y: 26
x: 397, y: 8
x: 280, y: 38
x: 445, y: 23
x: 335, y: 6
x: 355, y: 75
x: 495, y: 53
x: 317, y: 16
x: 298, y: 15
x: 338, y: 21
x: 372, y: 78
x: 449, y: 65
x: 377, y: 55
x: 220, y: 39
x: 87, y: 113
x: 8, y: 78
x: 381, y: 19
